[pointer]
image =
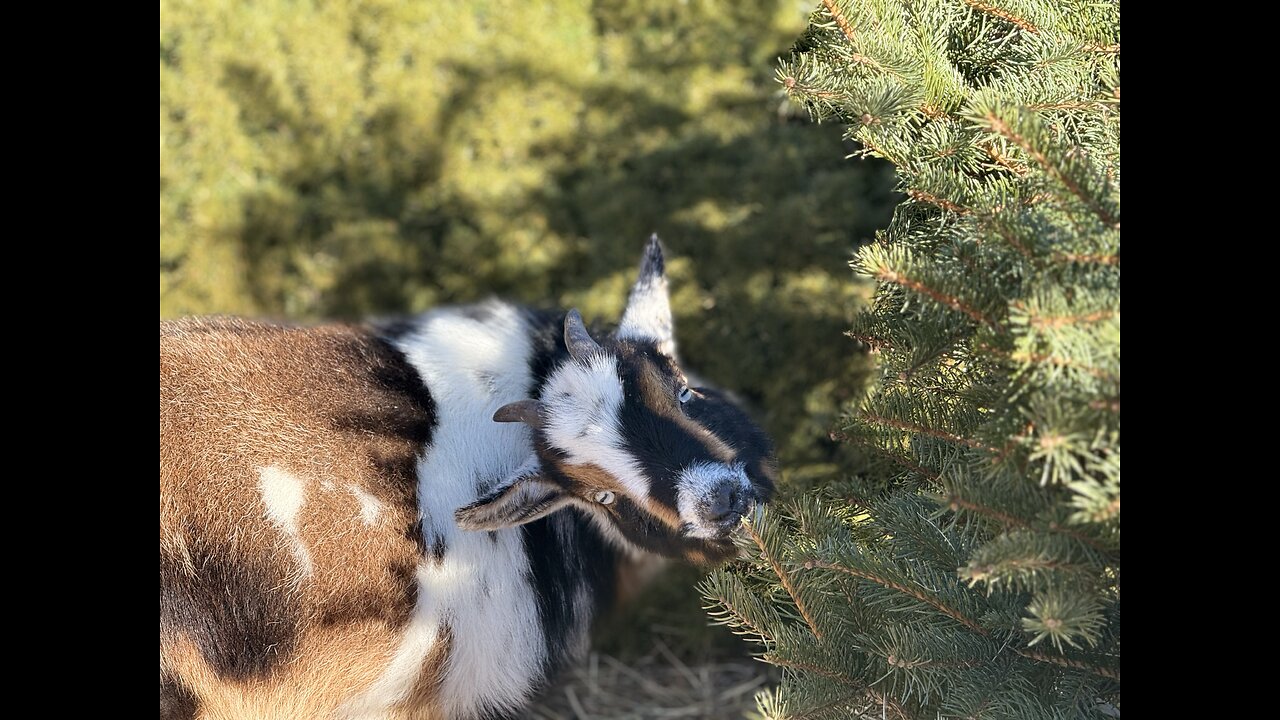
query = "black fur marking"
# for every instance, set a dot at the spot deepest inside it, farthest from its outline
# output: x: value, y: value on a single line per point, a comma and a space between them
x: 415, y: 533
x: 566, y: 552
x: 177, y: 702
x: 716, y: 412
x: 438, y: 548
x: 416, y: 418
x: 395, y: 329
x: 660, y: 444
x: 651, y: 265
x: 240, y: 616
x: 546, y: 338
x: 567, y: 555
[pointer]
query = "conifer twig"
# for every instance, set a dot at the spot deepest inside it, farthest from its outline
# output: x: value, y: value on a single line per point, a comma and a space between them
x: 943, y: 203
x: 1002, y: 128
x: 1073, y: 105
x: 785, y: 578
x: 898, y: 458
x: 954, y: 303
x: 1044, y: 359
x: 1003, y: 14
x: 917, y: 594
x: 876, y: 344
x: 955, y: 502
x: 1056, y: 321
x: 883, y: 700
x: 841, y: 22
x: 1087, y: 258
x: 1004, y: 161
x: 964, y: 620
x: 931, y: 432
x: 1068, y: 662
x: 738, y: 616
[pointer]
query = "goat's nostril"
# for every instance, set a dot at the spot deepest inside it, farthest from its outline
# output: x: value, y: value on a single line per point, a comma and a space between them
x: 726, y: 504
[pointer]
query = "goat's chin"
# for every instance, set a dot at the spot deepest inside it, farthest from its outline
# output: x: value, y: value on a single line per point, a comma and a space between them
x: 716, y: 551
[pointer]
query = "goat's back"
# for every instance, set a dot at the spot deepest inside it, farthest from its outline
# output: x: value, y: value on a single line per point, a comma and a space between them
x: 281, y: 450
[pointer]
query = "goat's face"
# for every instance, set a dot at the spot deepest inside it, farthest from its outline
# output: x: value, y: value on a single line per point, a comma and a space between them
x: 659, y: 464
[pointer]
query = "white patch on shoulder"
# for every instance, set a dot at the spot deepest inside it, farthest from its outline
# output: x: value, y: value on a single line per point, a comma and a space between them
x: 474, y: 361
x: 370, y: 508
x: 696, y: 484
x: 581, y: 403
x: 284, y: 494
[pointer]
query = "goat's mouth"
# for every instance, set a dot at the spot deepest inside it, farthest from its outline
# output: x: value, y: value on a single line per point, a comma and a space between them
x: 727, y: 529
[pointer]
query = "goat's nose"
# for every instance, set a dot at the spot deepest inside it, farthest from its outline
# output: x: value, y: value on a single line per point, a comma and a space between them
x: 727, y: 503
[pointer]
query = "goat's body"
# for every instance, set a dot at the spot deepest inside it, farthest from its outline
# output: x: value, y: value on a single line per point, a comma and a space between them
x: 311, y: 566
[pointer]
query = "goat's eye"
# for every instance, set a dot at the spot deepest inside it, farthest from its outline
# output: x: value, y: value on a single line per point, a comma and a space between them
x: 604, y: 497
x: 685, y: 393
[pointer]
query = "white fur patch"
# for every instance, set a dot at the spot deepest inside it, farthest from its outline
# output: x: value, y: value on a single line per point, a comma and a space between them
x: 648, y: 315
x: 284, y: 494
x: 370, y: 508
x: 581, y: 404
x: 473, y: 364
x: 696, y: 484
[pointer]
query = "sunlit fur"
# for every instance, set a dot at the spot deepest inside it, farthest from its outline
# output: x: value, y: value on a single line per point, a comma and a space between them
x: 352, y: 525
x: 613, y: 421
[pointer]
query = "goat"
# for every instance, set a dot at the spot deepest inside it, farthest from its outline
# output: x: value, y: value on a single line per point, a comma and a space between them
x: 421, y: 519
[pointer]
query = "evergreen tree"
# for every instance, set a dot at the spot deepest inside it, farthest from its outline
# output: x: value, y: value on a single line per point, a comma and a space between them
x: 973, y: 570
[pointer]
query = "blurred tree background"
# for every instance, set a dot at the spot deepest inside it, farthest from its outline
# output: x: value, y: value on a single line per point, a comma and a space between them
x: 354, y: 158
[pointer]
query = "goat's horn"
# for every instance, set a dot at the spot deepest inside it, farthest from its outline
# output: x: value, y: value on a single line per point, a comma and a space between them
x: 577, y: 339
x: 528, y: 412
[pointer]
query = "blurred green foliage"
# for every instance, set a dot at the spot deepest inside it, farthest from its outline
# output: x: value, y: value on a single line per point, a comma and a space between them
x: 346, y: 159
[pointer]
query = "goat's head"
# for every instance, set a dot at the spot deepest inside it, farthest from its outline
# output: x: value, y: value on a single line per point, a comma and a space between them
x: 619, y: 431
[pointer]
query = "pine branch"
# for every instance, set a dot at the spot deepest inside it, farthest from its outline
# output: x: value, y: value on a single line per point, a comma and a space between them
x: 841, y: 22
x: 956, y: 503
x: 897, y: 458
x: 1108, y: 404
x: 785, y: 578
x: 1072, y: 105
x: 840, y: 702
x: 891, y: 276
x: 874, y: 344
x: 1051, y: 321
x: 1002, y: 128
x: 931, y: 432
x: 1068, y: 662
x: 1005, y: 15
x: 1003, y: 160
x: 1026, y: 356
x: 1087, y: 259
x: 1013, y: 241
x: 741, y: 619
x: 943, y: 203
x: 883, y: 700
x: 792, y: 83
x: 917, y: 594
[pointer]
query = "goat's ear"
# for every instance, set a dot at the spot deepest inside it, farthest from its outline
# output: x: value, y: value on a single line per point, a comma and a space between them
x: 648, y: 313
x: 524, y: 497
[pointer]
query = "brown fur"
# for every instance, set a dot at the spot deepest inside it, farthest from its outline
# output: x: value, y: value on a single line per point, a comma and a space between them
x: 659, y: 398
x: 330, y: 406
x: 589, y: 478
x: 427, y: 688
